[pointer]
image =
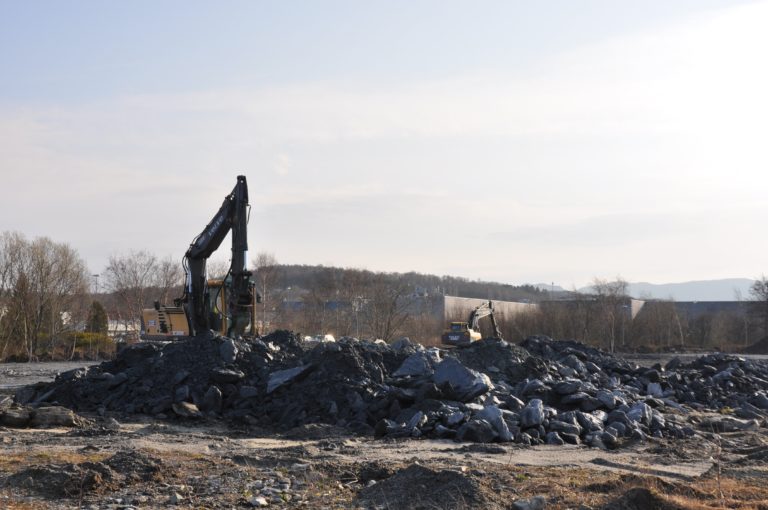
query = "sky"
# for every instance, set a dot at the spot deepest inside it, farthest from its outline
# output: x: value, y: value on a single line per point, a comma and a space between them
x: 514, y: 141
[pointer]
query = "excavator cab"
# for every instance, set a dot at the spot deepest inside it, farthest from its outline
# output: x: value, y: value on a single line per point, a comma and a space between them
x: 218, y: 305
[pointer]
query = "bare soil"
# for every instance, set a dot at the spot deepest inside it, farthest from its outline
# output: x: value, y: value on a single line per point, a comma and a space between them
x: 150, y: 465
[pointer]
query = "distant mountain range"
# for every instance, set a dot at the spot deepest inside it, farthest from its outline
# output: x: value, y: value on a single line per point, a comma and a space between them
x: 727, y: 289
x: 703, y: 290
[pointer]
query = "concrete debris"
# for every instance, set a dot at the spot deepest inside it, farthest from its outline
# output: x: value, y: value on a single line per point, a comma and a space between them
x: 281, y: 377
x: 542, y: 391
x: 18, y: 416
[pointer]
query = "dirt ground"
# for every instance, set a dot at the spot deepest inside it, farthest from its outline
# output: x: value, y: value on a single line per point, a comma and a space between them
x: 149, y: 464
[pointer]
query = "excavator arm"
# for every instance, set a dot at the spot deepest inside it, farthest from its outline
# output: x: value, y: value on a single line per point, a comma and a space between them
x: 484, y: 310
x: 232, y: 216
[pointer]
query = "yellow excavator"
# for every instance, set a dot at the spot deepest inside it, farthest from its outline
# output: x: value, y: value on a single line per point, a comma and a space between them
x: 461, y: 334
x: 222, y: 305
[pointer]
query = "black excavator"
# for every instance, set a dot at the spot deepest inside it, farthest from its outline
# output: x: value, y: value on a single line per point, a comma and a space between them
x: 460, y: 334
x: 225, y: 306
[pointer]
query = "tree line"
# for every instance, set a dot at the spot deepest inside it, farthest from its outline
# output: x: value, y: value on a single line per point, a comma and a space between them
x: 51, y: 306
x: 605, y: 318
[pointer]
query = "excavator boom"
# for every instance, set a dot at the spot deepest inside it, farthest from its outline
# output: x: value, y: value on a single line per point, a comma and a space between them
x: 231, y: 313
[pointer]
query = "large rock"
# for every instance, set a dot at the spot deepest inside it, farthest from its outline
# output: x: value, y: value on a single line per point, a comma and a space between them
x: 226, y: 375
x: 281, y: 377
x: 532, y: 415
x: 477, y: 431
x: 561, y: 426
x: 17, y: 417
x: 417, y: 364
x: 495, y: 417
x: 640, y: 412
x: 55, y: 416
x: 212, y: 400
x: 567, y: 387
x: 459, y: 382
x: 135, y: 354
x: 186, y: 410
x: 228, y: 350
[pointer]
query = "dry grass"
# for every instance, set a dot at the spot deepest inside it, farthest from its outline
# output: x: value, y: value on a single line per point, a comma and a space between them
x: 12, y: 462
x: 569, y: 487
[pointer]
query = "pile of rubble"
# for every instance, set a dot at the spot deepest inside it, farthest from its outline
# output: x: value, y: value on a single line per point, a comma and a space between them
x: 543, y: 391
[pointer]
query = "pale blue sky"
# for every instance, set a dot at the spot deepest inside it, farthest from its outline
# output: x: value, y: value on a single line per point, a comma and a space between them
x: 515, y: 141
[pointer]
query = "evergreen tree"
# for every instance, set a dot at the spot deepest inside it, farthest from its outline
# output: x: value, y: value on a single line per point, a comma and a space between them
x: 97, y: 319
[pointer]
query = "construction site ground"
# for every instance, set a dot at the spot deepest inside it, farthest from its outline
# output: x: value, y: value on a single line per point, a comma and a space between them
x: 146, y: 463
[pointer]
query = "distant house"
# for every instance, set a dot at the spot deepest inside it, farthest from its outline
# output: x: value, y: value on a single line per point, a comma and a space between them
x: 122, y: 330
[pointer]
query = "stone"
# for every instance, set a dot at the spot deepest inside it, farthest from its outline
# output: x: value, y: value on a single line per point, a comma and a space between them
x: 417, y: 364
x: 653, y: 376
x: 228, y: 350
x: 16, y: 417
x: 559, y: 426
x: 460, y: 382
x: 570, y: 438
x: 282, y: 377
x: 514, y: 403
x: 575, y: 363
x: 554, y: 438
x: 477, y: 431
x: 574, y: 399
x: 493, y: 415
x: 180, y: 376
x: 534, y: 503
x: 417, y: 420
x: 606, y: 398
x: 258, y: 501
x: 760, y: 400
x: 248, y: 391
x: 588, y: 421
x: 117, y: 380
x: 654, y: 389
x: 444, y: 432
x: 54, y: 416
x: 186, y: 410
x: 532, y: 415
x: 454, y: 419
x: 212, y: 400
x: 226, y: 375
x: 181, y: 394
x: 640, y: 412
x: 403, y: 343
x: 567, y: 387
x: 590, y: 404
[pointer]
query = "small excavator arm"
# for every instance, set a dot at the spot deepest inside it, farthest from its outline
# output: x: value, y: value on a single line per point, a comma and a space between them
x: 484, y: 310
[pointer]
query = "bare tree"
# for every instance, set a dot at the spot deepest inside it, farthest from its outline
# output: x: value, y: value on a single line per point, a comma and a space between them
x: 42, y: 282
x: 266, y: 272
x: 217, y: 268
x: 168, y: 278
x: 130, y: 277
x: 388, y: 306
x: 611, y: 299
